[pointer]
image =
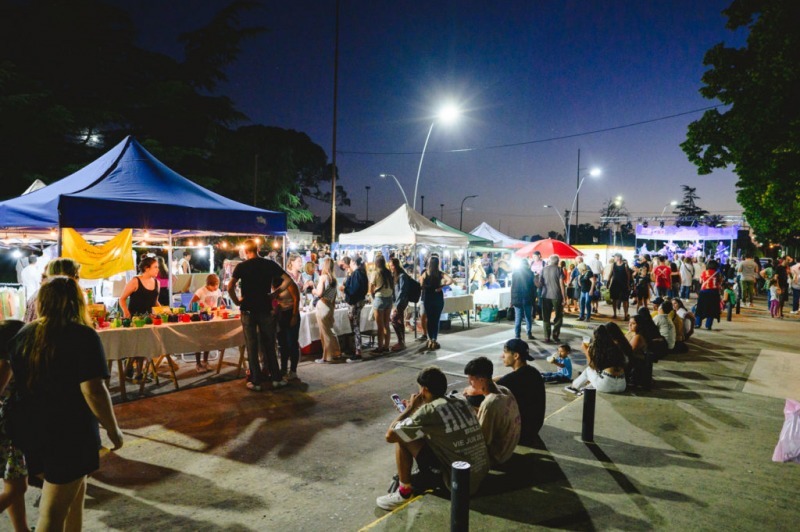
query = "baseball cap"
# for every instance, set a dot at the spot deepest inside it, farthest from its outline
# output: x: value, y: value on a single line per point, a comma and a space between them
x: 515, y: 345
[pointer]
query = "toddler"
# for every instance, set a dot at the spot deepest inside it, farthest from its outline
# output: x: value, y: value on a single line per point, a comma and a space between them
x: 774, y: 298
x: 209, y: 296
x: 564, y: 363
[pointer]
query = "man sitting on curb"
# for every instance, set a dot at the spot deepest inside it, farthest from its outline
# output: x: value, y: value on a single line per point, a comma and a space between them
x: 435, y: 431
x: 498, y: 413
x: 527, y: 385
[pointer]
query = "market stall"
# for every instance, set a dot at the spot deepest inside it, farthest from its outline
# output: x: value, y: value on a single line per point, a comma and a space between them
x: 499, y: 239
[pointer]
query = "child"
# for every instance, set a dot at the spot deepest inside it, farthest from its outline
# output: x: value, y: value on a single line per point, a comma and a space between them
x: 729, y: 299
x: 208, y: 296
x: 774, y: 298
x: 564, y: 363
x: 12, y: 461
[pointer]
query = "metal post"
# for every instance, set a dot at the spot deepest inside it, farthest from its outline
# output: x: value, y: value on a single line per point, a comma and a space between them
x: 587, y: 427
x: 459, y: 497
x: 422, y: 206
x: 335, y: 115
x: 366, y: 219
x: 577, y: 198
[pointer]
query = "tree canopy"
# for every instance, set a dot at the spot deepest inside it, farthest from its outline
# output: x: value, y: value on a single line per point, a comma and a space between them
x: 688, y: 212
x: 759, y: 133
x: 73, y: 82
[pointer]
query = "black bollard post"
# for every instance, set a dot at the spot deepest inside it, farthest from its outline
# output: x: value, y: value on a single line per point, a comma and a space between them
x: 459, y: 497
x: 730, y: 311
x: 739, y: 305
x: 587, y: 429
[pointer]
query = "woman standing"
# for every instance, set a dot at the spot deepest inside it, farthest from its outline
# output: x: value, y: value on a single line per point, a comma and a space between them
x: 586, y: 281
x: 163, y: 282
x: 432, y: 281
x: 523, y: 295
x: 618, y: 285
x: 398, y: 317
x: 60, y: 371
x: 143, y: 292
x: 708, y: 300
x: 289, y: 318
x: 326, y: 292
x: 381, y: 289
x: 641, y: 283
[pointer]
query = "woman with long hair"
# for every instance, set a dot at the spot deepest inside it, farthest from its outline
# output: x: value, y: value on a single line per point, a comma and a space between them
x: 398, y: 317
x: 288, y: 310
x: 641, y: 284
x: 605, y: 370
x: 58, y: 266
x: 60, y: 372
x: 433, y: 280
x: 381, y: 288
x: 326, y: 292
x: 143, y: 293
x: 708, y: 300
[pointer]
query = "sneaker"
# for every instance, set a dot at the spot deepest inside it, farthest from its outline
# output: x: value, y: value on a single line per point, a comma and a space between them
x: 423, y: 338
x: 391, y: 501
x: 320, y: 361
x: 570, y: 389
x: 253, y: 387
x: 355, y: 358
x: 531, y: 337
x: 279, y: 384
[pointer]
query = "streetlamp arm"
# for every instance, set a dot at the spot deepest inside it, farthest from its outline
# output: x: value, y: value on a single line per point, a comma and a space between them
x: 574, y: 201
x: 416, y: 184
x: 401, y: 188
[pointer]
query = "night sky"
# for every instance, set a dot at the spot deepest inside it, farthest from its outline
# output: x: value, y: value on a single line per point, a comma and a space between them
x: 521, y: 71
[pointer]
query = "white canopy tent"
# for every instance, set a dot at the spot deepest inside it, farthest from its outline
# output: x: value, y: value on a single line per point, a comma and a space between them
x: 500, y: 239
x: 404, y: 226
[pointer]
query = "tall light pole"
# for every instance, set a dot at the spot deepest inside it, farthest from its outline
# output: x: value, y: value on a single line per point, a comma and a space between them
x: 367, y: 217
x: 441, y: 211
x: 560, y: 218
x: 384, y: 176
x: 594, y: 172
x: 461, y: 217
x: 670, y: 204
x: 422, y: 205
x: 447, y: 114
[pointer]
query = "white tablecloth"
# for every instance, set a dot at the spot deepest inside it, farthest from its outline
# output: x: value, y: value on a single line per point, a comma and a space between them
x: 152, y: 341
x: 499, y: 297
x: 188, y: 282
x: 454, y: 304
x: 309, y: 329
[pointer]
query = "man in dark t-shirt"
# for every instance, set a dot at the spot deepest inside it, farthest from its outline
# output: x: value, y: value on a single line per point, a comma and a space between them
x: 527, y: 385
x: 258, y: 319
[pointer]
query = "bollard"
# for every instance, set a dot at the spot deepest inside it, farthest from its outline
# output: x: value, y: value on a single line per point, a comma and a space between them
x: 459, y: 497
x: 587, y: 429
x: 739, y: 305
x: 730, y: 311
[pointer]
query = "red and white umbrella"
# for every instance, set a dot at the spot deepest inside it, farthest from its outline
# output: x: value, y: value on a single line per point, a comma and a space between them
x: 548, y: 247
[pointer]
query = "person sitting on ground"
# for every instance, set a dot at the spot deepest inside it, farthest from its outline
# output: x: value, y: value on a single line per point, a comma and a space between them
x: 564, y: 363
x: 12, y: 461
x: 491, y: 282
x: 686, y: 316
x: 619, y: 338
x: 498, y: 413
x: 605, y: 370
x: 656, y: 344
x: 527, y: 385
x: 666, y: 327
x: 427, y: 432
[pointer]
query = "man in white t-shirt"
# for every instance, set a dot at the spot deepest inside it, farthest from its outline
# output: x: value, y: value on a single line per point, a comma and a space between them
x: 748, y: 270
x: 686, y: 270
x: 597, y: 266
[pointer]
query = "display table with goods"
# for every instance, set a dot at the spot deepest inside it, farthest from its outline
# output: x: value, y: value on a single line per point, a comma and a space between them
x: 496, y: 297
x: 309, y: 327
x: 453, y: 305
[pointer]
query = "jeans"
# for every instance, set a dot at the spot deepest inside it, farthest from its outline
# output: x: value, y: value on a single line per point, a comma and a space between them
x: 548, y: 306
x: 259, y: 332
x: 434, y: 304
x: 288, y: 336
x: 795, y: 299
x: 354, y: 315
x: 525, y: 310
x: 685, y: 291
x: 585, y: 303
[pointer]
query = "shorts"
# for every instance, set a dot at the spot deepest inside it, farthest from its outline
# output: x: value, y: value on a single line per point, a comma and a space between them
x: 62, y: 466
x: 12, y: 461
x: 381, y: 303
x: 427, y: 460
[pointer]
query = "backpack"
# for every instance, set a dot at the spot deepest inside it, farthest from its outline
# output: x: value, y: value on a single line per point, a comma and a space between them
x: 414, y: 289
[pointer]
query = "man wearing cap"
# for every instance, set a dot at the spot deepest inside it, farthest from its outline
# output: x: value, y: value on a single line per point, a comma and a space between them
x: 527, y: 385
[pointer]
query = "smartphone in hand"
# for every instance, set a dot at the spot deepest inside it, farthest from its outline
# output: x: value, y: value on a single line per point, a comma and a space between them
x: 398, y: 403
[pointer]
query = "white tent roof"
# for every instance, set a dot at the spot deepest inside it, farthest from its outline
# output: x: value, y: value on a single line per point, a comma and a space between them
x: 500, y: 239
x: 404, y: 226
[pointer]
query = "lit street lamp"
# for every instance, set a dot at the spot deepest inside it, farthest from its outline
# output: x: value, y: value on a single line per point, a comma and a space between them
x: 448, y: 114
x: 670, y: 204
x: 461, y: 218
x: 384, y: 176
x: 594, y: 172
x: 560, y: 218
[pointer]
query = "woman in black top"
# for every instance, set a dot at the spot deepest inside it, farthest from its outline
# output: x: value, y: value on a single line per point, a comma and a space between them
x: 143, y: 292
x: 432, y: 281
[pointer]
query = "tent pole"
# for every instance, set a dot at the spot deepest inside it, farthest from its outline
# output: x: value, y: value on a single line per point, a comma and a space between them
x: 283, y: 247
x: 169, y: 266
x: 210, y: 258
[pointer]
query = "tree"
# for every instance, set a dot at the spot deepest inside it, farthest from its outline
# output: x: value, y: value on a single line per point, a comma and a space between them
x: 759, y: 133
x: 687, y: 210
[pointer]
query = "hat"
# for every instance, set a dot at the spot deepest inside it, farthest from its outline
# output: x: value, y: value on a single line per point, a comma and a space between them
x: 658, y: 300
x: 515, y: 345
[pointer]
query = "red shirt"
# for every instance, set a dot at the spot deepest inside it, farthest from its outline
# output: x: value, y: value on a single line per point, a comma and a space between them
x: 709, y: 280
x: 662, y: 274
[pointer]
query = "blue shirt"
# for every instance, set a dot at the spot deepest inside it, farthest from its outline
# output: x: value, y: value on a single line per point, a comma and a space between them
x: 566, y: 371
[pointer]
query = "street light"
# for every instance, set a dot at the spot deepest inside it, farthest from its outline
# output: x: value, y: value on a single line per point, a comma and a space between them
x: 670, y: 204
x: 367, y: 217
x: 384, y: 176
x: 441, y: 211
x: 447, y: 114
x: 560, y: 217
x: 594, y: 172
x: 461, y: 217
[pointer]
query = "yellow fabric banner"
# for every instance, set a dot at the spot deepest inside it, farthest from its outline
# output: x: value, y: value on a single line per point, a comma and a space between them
x: 99, y: 262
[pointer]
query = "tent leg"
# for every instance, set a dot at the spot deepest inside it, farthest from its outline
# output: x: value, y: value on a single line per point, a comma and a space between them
x: 169, y: 266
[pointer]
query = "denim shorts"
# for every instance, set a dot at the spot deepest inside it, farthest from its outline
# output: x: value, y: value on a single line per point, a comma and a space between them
x: 381, y: 303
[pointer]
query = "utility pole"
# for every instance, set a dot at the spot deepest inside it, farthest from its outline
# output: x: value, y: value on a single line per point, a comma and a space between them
x: 577, y: 199
x: 422, y: 212
x: 335, y: 107
x: 255, y: 181
x: 441, y: 211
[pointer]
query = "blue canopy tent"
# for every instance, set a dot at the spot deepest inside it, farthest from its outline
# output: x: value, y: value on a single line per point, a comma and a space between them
x: 128, y: 187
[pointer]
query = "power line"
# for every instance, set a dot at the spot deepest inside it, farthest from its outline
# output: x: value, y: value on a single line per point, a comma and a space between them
x: 536, y: 141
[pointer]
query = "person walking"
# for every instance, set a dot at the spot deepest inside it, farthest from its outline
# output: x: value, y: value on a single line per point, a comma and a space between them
x: 355, y: 289
x: 619, y: 283
x: 326, y: 306
x: 687, y: 276
x: 523, y: 296
x: 401, y: 292
x: 552, y: 285
x: 433, y: 280
x: 586, y: 283
x: 259, y: 325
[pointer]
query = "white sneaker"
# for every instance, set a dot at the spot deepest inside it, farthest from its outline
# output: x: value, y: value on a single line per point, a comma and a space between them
x: 391, y: 501
x: 570, y: 389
